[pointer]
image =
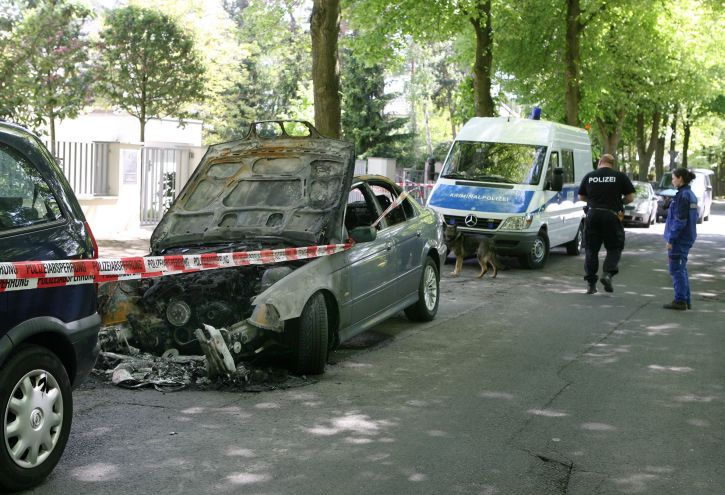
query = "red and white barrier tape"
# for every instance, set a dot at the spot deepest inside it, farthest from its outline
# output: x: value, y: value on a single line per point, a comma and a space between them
x: 23, y: 275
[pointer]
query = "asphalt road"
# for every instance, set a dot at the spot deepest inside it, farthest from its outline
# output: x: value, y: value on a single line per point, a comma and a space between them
x: 522, y: 385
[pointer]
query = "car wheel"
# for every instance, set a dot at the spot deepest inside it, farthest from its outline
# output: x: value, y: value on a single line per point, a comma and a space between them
x: 37, y: 409
x: 310, y: 352
x: 574, y: 247
x: 428, y: 294
x: 537, y: 255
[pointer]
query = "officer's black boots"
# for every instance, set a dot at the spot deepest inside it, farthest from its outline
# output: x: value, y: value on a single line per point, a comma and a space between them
x: 592, y: 289
x: 606, y: 281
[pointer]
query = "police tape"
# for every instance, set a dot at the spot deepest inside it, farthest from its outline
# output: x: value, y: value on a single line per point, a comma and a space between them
x: 24, y: 275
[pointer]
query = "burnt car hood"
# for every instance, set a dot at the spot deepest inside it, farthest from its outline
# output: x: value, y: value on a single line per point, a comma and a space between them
x: 273, y: 184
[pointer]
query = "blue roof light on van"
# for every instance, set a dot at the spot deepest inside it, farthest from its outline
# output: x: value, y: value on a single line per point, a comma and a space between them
x: 535, y: 113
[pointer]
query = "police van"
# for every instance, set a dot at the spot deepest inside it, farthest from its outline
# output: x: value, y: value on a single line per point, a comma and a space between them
x: 516, y: 180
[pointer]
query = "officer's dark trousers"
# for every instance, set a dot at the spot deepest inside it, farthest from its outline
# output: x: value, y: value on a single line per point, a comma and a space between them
x: 602, y: 227
x: 678, y: 269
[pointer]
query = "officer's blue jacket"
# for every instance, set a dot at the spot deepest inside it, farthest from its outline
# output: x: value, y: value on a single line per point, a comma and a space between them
x: 681, y: 219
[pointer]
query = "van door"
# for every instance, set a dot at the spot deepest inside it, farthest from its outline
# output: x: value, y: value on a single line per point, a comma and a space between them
x: 569, y: 196
x: 552, y: 213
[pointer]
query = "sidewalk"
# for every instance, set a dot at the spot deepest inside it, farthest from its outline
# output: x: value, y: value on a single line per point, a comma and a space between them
x: 124, y: 244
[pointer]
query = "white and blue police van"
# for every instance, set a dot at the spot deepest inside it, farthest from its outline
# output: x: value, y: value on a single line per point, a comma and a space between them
x: 516, y: 180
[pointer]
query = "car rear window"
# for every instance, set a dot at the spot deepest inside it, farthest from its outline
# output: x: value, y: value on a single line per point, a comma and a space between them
x: 26, y: 199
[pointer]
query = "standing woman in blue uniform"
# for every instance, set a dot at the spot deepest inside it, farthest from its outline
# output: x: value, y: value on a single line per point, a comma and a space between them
x: 680, y: 234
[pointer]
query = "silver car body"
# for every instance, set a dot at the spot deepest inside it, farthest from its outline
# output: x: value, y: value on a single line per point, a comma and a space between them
x: 643, y: 209
x: 372, y: 280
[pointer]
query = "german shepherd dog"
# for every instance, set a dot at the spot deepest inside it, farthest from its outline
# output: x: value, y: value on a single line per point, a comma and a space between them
x: 465, y: 247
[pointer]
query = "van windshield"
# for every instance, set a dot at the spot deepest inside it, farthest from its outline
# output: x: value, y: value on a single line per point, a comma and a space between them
x: 495, y: 162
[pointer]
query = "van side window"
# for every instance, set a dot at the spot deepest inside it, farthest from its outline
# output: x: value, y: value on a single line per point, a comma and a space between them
x: 25, y: 197
x: 567, y: 163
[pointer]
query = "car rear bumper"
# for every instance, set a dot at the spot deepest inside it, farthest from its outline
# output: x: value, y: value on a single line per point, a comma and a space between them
x: 84, y: 338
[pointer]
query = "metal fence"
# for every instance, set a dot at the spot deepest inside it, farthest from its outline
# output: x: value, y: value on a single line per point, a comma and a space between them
x: 85, y: 165
x: 159, y: 171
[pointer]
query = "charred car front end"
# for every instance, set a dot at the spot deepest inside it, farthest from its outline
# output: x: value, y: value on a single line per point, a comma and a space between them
x: 285, y: 186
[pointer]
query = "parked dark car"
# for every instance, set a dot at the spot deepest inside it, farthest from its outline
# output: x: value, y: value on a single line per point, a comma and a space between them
x: 48, y: 337
x: 286, y: 186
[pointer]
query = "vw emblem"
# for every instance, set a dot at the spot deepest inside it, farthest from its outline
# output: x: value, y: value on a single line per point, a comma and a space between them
x: 471, y: 220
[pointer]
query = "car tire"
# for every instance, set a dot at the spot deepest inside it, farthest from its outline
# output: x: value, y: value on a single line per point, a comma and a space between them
x: 538, y: 254
x: 574, y: 247
x: 426, y: 308
x: 37, y: 408
x: 311, y: 332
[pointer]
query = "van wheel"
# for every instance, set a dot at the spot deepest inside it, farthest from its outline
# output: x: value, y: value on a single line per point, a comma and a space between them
x: 37, y: 409
x: 428, y: 294
x: 311, y: 337
x: 574, y: 247
x: 538, y: 254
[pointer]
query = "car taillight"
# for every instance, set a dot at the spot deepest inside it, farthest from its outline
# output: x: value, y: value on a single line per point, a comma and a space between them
x: 93, y: 240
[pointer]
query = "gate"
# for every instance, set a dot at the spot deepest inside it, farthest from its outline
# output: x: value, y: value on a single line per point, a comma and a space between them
x: 160, y: 168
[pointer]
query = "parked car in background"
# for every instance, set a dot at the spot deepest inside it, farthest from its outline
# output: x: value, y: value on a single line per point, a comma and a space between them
x: 48, y: 337
x: 701, y: 185
x: 286, y: 186
x: 642, y: 210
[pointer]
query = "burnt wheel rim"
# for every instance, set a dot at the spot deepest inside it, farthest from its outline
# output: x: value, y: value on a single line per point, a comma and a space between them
x: 33, y: 419
x: 430, y: 288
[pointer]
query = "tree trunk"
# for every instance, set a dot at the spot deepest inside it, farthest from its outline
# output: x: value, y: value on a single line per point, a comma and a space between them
x: 673, y: 137
x: 426, y: 118
x: 660, y: 149
x: 324, y: 30
x: 646, y: 146
x: 611, y: 132
x: 572, y: 94
x: 686, y: 123
x: 482, y: 66
x: 51, y: 121
x: 413, y: 114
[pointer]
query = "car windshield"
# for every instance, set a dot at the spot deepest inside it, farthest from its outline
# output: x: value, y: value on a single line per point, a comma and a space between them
x: 495, y: 162
x: 641, y: 191
x: 666, y: 181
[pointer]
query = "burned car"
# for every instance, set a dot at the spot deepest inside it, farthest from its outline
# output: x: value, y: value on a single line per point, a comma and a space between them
x: 285, y: 186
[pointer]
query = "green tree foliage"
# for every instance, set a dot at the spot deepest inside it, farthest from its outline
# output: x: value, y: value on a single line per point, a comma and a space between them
x: 383, y: 27
x: 275, y: 70
x: 363, y: 117
x: 148, y: 65
x: 45, y: 65
x: 216, y: 38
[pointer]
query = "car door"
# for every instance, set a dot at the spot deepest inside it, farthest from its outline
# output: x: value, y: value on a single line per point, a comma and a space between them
x: 403, y: 228
x: 371, y: 284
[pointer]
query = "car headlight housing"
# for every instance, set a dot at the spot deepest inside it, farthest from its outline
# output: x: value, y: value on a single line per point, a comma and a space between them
x: 519, y: 222
x: 266, y: 316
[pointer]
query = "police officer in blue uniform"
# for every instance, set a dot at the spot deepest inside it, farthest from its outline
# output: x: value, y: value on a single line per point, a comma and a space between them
x: 680, y: 235
x: 606, y: 191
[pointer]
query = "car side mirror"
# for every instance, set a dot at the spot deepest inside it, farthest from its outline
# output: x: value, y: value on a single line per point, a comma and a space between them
x: 557, y: 180
x: 363, y: 234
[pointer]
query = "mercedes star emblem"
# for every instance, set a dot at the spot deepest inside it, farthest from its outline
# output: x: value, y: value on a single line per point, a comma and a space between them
x: 471, y: 220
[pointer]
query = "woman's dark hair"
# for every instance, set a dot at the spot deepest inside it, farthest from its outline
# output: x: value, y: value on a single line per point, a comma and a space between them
x: 684, y: 174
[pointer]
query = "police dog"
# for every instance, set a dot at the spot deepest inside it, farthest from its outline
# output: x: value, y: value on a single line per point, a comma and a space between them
x: 465, y: 247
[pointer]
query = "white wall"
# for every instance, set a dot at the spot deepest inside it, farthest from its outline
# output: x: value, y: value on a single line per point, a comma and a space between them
x: 101, y: 125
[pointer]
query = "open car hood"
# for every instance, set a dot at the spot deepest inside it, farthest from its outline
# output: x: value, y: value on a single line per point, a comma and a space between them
x: 282, y: 181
